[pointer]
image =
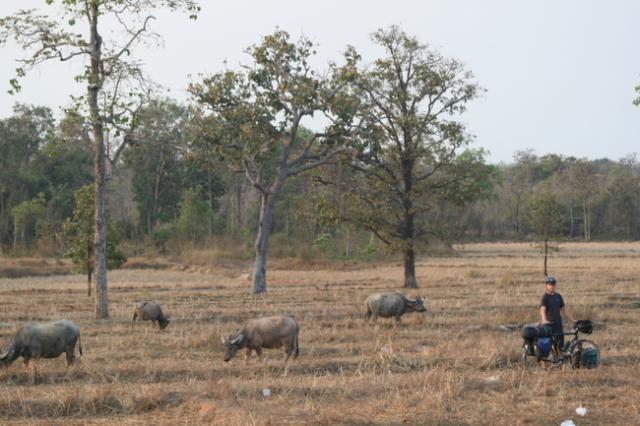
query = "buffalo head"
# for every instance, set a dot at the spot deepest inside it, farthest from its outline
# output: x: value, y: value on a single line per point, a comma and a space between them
x: 232, y: 345
x: 417, y: 305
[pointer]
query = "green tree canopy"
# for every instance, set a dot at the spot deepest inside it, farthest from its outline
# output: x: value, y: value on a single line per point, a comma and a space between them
x: 545, y: 217
x: 27, y: 215
x: 412, y: 156
x: 194, y: 216
x: 78, y: 234
x: 253, y: 119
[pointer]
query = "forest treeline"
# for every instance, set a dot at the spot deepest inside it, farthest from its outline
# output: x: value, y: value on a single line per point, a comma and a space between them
x: 165, y: 194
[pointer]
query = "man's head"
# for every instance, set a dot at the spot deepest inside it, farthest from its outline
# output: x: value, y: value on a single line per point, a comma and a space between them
x: 550, y: 284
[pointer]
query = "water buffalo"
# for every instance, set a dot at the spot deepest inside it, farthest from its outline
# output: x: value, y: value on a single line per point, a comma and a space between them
x: 149, y: 311
x: 267, y: 332
x: 392, y: 304
x: 43, y: 340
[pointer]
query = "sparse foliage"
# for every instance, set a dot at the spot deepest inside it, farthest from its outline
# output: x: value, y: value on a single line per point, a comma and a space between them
x: 411, y: 158
x: 116, y: 86
x: 78, y: 234
x: 546, y: 216
x: 253, y: 119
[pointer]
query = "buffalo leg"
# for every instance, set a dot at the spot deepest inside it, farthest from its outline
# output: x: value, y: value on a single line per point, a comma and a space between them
x: 286, y: 363
x: 288, y: 352
x: 33, y: 356
x: 70, y: 356
x: 133, y: 321
x: 247, y: 355
x: 30, y: 363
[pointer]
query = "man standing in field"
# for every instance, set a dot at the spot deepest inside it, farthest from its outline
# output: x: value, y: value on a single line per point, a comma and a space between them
x: 552, y: 309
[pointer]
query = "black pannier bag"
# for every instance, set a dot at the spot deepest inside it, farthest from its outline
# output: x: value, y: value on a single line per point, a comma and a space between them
x: 532, y: 331
x: 584, y: 326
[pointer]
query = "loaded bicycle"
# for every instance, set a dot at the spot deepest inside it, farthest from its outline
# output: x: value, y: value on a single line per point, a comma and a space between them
x: 541, y: 346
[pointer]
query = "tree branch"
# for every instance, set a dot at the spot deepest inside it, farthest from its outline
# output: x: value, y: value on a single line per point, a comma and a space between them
x: 328, y: 156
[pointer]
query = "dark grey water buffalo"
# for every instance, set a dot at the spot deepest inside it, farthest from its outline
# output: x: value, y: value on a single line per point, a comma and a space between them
x: 149, y: 311
x: 261, y: 333
x: 392, y: 304
x: 43, y: 340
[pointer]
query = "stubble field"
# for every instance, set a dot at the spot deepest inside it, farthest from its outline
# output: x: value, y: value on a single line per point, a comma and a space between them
x: 453, y: 366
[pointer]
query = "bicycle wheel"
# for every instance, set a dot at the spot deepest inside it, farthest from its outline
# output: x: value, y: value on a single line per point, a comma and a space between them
x: 584, y: 354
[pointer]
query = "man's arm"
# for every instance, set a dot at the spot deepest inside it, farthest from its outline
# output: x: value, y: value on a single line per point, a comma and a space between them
x: 543, y: 314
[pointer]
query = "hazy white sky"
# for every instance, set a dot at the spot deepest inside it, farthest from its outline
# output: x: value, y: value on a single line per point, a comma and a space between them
x: 560, y: 75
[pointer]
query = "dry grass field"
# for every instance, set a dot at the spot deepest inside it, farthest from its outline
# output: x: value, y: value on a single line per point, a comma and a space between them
x: 451, y: 367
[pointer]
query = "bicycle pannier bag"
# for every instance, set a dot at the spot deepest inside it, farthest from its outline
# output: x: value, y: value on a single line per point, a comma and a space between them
x: 584, y: 326
x: 544, y: 346
x: 533, y: 331
x: 589, y: 358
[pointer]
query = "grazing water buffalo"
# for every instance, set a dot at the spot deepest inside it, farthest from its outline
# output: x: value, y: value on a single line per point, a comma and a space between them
x: 43, y: 340
x: 149, y: 311
x: 268, y: 332
x: 392, y: 304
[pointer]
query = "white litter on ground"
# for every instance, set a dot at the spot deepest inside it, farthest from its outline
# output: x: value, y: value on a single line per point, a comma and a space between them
x: 568, y: 423
x: 492, y: 379
x: 581, y: 411
x: 266, y: 392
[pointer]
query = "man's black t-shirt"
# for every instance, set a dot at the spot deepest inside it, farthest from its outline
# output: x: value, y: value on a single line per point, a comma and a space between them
x: 553, y: 303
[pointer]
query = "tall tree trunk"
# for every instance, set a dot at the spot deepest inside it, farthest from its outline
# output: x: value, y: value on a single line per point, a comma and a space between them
x: 408, y: 250
x: 571, y: 221
x: 546, y: 251
x: 156, y: 188
x: 1, y: 205
x: 585, y: 221
x: 100, y: 235
x: 89, y: 270
x: 588, y: 223
x: 516, y: 224
x: 286, y: 220
x: 210, y: 196
x: 267, y: 203
x: 1, y: 215
x: 627, y: 229
x: 239, y: 202
x: 409, y: 266
x: 408, y: 230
